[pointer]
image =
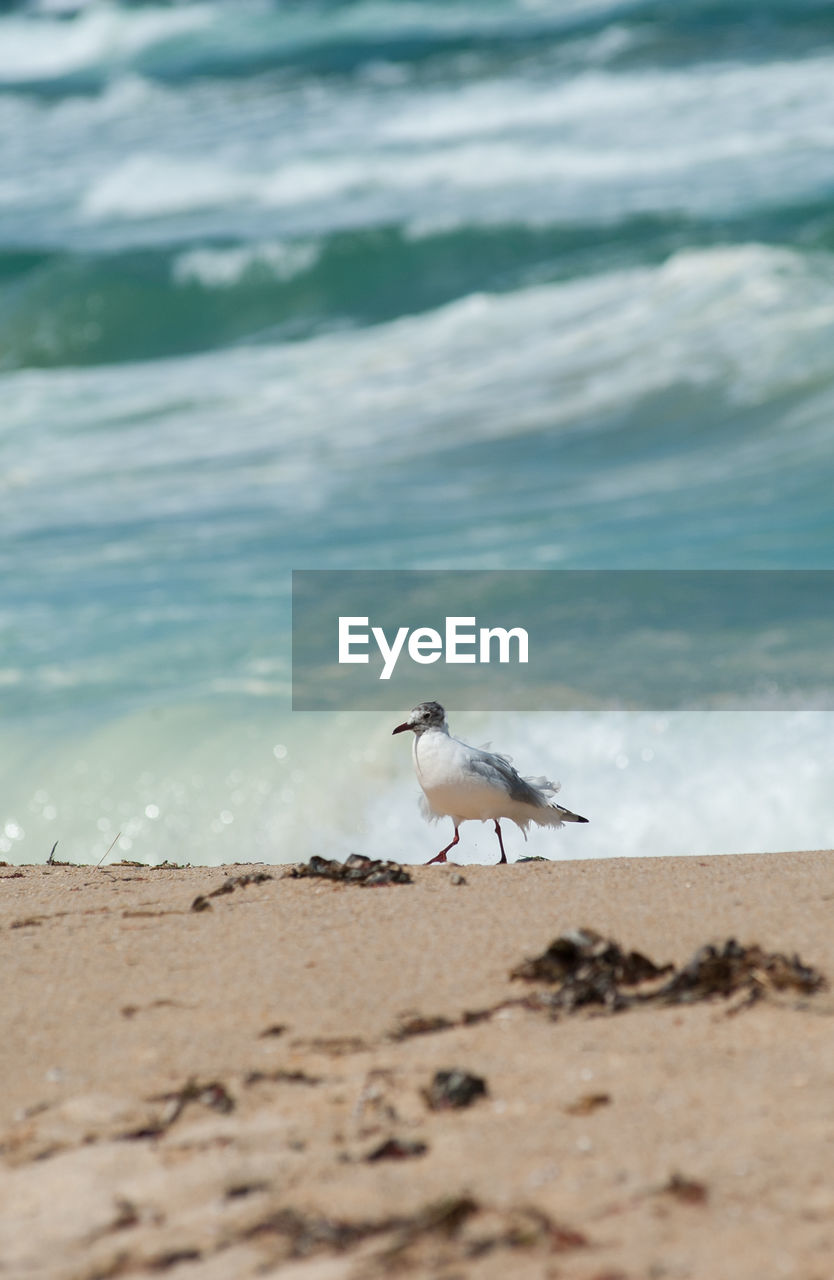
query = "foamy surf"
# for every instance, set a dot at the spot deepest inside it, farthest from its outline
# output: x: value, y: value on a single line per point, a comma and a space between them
x: 189, y: 785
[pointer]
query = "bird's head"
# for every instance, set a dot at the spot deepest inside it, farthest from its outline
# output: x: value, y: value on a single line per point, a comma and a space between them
x: 428, y: 715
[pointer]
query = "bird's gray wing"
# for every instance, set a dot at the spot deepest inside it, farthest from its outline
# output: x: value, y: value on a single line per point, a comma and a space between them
x: 499, y: 772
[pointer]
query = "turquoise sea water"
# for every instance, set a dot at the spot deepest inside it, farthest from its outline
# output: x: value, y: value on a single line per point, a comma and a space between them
x: 396, y: 285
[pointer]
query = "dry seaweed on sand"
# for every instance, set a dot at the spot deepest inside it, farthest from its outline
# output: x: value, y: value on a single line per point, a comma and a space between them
x: 477, y: 1231
x: 585, y: 968
x: 306, y: 1234
x: 357, y: 869
x: 420, y: 1024
x: 733, y: 968
x: 455, y: 1228
x: 588, y: 969
x: 150, y: 866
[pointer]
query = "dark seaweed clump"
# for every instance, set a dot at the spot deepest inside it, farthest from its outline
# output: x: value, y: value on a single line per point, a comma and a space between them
x: 357, y: 869
x: 723, y: 971
x: 589, y: 969
x: 585, y: 968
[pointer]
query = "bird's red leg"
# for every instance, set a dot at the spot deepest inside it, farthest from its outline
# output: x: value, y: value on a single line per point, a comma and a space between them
x: 503, y: 857
x: 441, y: 857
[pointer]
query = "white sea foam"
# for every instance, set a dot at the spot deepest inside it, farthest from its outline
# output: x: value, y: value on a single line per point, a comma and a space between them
x: 151, y: 185
x: 225, y: 268
x: 500, y: 150
x: 668, y: 108
x: 99, y: 33
x: 188, y: 786
x: 529, y: 146
x: 55, y: 38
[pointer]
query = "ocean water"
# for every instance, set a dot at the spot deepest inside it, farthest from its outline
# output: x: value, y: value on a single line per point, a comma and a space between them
x: 386, y: 284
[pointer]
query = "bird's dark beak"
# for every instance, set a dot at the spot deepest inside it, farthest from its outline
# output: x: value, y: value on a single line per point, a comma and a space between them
x: 401, y: 728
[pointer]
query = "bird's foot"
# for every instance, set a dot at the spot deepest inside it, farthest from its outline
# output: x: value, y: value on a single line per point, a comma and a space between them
x: 438, y: 857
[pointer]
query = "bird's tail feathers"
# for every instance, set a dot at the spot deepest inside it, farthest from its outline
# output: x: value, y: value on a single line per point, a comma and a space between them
x: 555, y: 815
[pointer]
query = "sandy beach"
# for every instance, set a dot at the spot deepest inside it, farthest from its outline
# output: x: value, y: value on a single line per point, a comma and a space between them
x: 251, y: 1088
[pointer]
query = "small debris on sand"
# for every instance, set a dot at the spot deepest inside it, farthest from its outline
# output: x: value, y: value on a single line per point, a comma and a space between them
x: 276, y: 1029
x: 419, y: 1024
x: 281, y: 1076
x: 213, y: 1094
x: 687, y: 1190
x: 202, y: 903
x: 240, y: 882
x: 397, y: 1149
x: 239, y: 1190
x: 454, y: 1088
x: 588, y: 1103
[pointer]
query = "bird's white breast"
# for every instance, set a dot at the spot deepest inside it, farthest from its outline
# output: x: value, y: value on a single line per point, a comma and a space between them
x: 450, y: 786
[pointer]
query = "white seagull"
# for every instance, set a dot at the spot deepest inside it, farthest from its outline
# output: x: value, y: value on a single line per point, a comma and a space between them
x: 467, y: 784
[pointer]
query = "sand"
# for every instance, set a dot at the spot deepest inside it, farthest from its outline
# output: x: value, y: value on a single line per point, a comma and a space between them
x: 195, y: 1094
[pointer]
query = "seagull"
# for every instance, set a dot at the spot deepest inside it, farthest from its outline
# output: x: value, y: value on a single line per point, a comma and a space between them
x: 469, y: 784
